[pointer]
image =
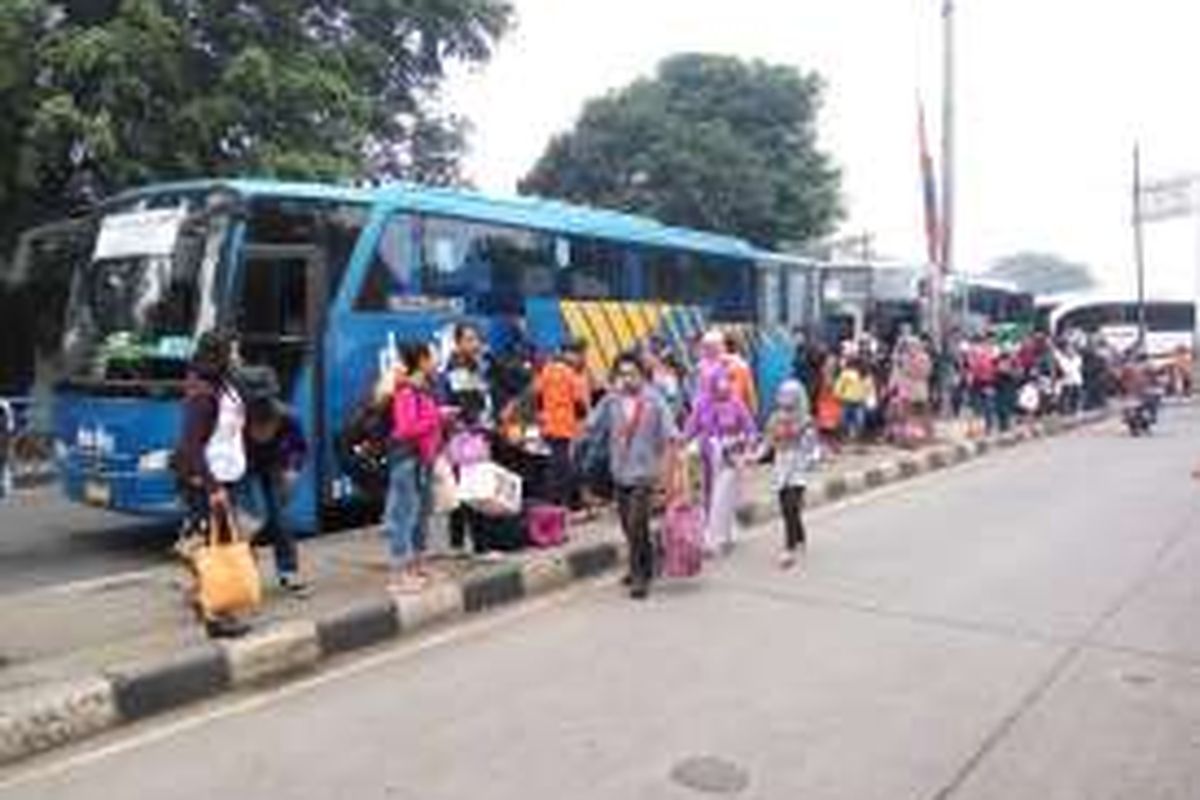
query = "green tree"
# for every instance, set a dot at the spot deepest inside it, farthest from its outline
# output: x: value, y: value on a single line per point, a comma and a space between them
x: 710, y: 142
x: 129, y: 91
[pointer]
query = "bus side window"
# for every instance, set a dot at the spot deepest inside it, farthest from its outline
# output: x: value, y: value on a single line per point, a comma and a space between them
x: 390, y: 274
x: 594, y: 270
x: 729, y: 286
x: 664, y: 279
x: 521, y: 264
x: 495, y: 267
x: 344, y: 225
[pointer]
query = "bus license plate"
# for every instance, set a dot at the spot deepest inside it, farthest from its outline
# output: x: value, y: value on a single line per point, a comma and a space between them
x: 96, y: 493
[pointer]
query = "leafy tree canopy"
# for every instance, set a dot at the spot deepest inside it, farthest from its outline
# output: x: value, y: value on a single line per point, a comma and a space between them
x: 710, y: 142
x: 123, y: 92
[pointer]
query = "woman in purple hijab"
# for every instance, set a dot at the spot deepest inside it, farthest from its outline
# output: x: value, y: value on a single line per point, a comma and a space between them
x: 724, y: 429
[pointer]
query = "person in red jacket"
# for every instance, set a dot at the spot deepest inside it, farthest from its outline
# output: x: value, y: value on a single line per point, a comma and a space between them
x: 982, y: 362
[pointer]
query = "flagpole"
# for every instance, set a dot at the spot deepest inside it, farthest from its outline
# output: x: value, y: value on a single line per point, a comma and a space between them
x: 1139, y: 250
x: 1194, y: 197
x: 946, y: 267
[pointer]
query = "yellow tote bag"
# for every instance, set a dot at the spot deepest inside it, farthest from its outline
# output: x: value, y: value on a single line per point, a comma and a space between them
x: 227, y: 579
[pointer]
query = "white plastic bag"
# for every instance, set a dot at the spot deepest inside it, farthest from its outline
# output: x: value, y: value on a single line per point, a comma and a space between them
x: 491, y: 489
x: 444, y: 489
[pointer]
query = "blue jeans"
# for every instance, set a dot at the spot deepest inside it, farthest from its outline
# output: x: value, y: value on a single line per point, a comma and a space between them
x: 854, y: 419
x: 408, y: 506
x: 267, y: 493
x: 983, y: 402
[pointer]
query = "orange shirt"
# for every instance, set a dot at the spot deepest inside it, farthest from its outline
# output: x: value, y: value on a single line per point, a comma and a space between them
x: 562, y: 395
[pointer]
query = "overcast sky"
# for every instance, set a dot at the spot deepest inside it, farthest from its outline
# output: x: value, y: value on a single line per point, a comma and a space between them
x: 1052, y: 95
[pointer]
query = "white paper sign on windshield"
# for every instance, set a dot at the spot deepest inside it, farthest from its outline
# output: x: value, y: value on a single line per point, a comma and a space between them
x: 139, y: 234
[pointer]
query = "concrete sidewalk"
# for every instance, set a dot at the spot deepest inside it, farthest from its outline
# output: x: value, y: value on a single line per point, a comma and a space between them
x: 85, y: 656
x: 56, y: 633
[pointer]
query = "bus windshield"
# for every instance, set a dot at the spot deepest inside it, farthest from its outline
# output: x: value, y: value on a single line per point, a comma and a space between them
x: 140, y: 296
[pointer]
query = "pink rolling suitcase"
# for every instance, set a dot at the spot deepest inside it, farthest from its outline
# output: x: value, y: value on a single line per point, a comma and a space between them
x: 547, y: 526
x: 682, y: 546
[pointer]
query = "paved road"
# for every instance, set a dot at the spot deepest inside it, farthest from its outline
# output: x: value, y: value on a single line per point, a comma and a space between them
x: 44, y: 540
x: 1024, y: 627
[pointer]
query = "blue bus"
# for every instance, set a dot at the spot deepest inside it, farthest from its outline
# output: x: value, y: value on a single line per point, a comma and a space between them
x: 322, y: 283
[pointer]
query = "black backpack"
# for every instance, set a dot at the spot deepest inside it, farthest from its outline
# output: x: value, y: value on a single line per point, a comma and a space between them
x: 363, y: 447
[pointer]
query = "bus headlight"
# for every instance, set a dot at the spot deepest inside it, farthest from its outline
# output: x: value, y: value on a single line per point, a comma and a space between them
x: 155, y: 461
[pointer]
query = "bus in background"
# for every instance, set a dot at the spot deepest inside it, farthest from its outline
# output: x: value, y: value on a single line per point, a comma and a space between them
x: 1170, y: 324
x: 835, y: 301
x: 322, y: 283
x: 978, y: 302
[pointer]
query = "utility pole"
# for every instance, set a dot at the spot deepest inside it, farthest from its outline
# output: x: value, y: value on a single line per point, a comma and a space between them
x: 946, y: 265
x: 1139, y: 251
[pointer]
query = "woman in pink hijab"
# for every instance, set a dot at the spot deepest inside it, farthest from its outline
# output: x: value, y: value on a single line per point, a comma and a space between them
x: 711, y: 364
x: 725, y: 430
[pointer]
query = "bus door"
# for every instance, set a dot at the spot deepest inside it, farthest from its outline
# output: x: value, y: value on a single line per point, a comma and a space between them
x: 280, y: 309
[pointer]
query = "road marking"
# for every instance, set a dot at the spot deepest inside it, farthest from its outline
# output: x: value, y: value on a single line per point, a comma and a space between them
x: 884, y: 492
x: 396, y: 652
x: 90, y: 585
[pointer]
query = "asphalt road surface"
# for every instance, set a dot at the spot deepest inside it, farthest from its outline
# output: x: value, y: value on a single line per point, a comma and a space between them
x: 1024, y: 627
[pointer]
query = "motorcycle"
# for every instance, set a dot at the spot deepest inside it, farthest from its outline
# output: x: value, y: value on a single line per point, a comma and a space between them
x: 1141, y: 417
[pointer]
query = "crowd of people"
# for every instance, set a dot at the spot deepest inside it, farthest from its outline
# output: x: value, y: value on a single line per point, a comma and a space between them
x: 865, y: 391
x: 652, y: 433
x: 573, y: 444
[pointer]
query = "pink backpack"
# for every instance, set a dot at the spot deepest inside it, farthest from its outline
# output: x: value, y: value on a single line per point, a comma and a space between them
x: 547, y: 526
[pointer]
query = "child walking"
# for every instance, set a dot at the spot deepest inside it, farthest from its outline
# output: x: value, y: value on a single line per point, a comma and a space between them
x: 791, y: 435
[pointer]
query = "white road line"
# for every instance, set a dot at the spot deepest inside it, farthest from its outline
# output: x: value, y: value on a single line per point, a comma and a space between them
x: 883, y: 492
x: 395, y: 653
x: 88, y: 585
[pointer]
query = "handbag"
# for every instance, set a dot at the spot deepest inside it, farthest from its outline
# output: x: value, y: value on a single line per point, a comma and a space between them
x: 227, y: 578
x: 682, y: 545
x: 363, y: 448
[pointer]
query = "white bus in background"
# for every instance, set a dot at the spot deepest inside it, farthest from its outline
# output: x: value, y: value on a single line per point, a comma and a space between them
x: 1169, y: 323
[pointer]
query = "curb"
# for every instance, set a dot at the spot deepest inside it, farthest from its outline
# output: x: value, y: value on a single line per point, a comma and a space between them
x: 825, y: 491
x: 63, y: 714
x: 59, y: 715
